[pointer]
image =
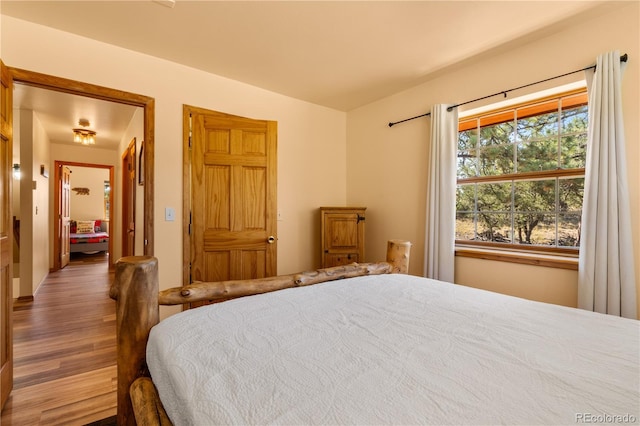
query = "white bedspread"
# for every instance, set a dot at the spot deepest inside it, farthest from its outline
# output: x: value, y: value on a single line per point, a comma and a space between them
x: 395, y: 349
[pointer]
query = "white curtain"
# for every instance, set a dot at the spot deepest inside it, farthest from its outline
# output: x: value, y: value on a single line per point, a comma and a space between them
x: 441, y: 197
x: 606, y: 275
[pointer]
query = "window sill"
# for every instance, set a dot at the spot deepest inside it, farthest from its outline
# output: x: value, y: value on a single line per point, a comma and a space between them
x: 536, y: 259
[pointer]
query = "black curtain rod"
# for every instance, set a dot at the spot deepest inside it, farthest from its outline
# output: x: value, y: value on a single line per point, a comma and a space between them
x: 623, y: 58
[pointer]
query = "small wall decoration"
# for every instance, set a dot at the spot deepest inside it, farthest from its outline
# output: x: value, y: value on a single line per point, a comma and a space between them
x: 81, y: 191
x: 43, y: 171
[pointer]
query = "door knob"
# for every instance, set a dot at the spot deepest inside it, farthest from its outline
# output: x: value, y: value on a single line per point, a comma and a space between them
x: 271, y: 239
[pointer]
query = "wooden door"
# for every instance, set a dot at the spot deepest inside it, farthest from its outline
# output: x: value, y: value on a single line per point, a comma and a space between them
x: 232, y: 186
x: 6, y: 235
x: 129, y: 200
x: 64, y: 214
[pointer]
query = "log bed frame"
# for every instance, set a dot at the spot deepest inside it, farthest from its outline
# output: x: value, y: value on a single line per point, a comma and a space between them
x: 136, y: 292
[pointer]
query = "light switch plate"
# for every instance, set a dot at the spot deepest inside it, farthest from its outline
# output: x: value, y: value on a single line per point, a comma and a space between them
x: 169, y: 214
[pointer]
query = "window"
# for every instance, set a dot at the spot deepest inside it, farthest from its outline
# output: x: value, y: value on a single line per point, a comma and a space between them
x: 521, y: 175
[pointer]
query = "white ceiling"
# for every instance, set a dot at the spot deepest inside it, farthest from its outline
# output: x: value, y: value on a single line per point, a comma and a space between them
x: 59, y: 113
x: 340, y: 54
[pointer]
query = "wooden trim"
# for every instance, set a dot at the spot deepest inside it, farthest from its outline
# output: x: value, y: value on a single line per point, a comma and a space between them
x: 77, y: 164
x: 565, y: 102
x: 524, y: 110
x: 577, y: 100
x: 497, y: 118
x: 6, y: 113
x: 569, y: 99
x: 537, y: 109
x: 186, y: 196
x: 465, y: 124
x: 544, y: 174
x: 74, y: 87
x: 112, y: 182
x: 57, y: 263
x: 149, y: 174
x: 342, y: 208
x: 519, y: 248
x: 522, y: 258
x: 6, y: 234
x: 128, y: 204
x: 272, y: 195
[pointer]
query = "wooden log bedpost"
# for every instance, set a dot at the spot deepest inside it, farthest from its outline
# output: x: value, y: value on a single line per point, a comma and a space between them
x: 398, y: 256
x: 135, y: 290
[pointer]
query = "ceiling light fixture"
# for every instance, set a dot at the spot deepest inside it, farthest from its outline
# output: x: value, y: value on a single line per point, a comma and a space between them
x: 84, y: 136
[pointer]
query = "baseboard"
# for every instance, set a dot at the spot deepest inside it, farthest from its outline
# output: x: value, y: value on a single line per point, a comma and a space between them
x: 22, y: 302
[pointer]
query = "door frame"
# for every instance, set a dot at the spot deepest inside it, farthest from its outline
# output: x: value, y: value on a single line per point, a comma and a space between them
x: 56, y: 223
x: 75, y: 87
x: 128, y: 207
x: 6, y: 241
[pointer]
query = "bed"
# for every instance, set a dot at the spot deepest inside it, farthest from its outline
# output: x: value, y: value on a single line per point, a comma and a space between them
x: 88, y: 236
x: 368, y: 344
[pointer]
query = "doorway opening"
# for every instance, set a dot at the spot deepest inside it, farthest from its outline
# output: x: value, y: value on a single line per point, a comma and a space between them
x: 61, y: 85
x: 147, y: 105
x: 85, y: 196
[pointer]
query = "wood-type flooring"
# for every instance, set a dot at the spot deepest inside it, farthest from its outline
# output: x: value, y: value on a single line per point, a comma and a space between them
x: 65, y: 349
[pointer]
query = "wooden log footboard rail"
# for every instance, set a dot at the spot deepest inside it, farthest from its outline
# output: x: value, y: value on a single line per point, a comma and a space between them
x: 136, y: 292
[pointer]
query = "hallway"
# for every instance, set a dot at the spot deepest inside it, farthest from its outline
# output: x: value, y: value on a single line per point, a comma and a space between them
x: 65, y: 349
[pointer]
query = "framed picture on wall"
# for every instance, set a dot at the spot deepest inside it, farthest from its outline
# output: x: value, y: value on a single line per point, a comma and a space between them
x: 141, y: 165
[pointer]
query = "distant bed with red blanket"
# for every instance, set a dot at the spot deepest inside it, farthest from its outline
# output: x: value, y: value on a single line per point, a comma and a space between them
x: 88, y: 236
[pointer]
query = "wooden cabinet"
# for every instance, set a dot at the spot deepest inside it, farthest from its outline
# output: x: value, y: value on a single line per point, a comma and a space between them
x: 342, y: 235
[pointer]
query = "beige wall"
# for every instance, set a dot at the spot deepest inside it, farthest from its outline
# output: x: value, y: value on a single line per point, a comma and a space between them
x: 396, y: 198
x: 90, y: 206
x: 311, y: 139
x: 40, y: 193
x: 551, y: 285
x: 34, y: 203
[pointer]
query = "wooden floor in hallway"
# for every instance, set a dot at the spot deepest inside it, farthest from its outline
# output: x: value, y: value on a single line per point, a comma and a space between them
x: 65, y: 349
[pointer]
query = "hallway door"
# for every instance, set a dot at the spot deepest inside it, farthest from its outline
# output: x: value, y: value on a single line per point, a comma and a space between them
x: 64, y: 215
x: 232, y: 187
